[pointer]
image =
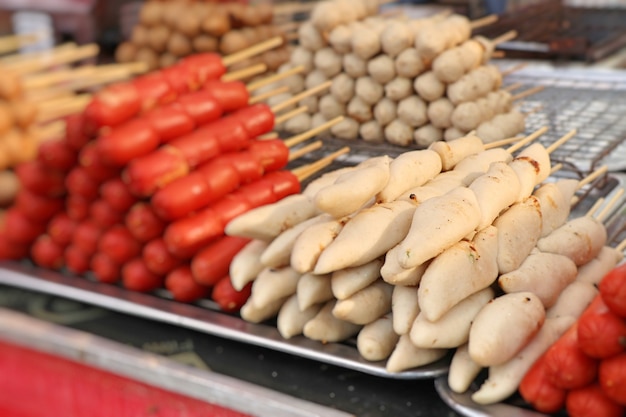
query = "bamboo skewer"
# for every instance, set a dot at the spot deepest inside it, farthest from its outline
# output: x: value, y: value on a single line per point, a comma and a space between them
x: 70, y: 106
x: 512, y: 87
x: 483, y: 21
x: 244, y: 73
x: 593, y: 176
x: 286, y: 116
x: 513, y: 69
x: 527, y: 93
x: 308, y: 170
x: 294, y: 140
x: 505, y: 37
x: 622, y: 246
x: 60, y: 58
x: 296, y: 98
x: 255, y: 85
x: 609, y: 205
x: 554, y: 146
x: 298, y: 153
x: 33, y: 56
x: 502, y: 142
x: 12, y: 43
x: 252, y: 51
x: 527, y: 139
x: 260, y: 97
x: 595, y: 206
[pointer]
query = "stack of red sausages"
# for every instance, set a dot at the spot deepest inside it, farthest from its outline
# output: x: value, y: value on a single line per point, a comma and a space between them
x: 139, y: 190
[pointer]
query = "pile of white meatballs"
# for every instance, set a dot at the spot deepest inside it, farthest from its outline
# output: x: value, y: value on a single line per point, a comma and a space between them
x: 409, y: 82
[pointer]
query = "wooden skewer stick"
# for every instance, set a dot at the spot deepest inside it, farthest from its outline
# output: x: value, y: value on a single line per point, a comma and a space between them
x: 32, y: 56
x: 245, y: 72
x: 498, y: 54
x: 255, y: 85
x: 300, y: 152
x: 12, y: 43
x: 63, y: 57
x: 593, y: 176
x: 595, y: 206
x: 51, y: 130
x: 513, y: 69
x: 286, y: 116
x: 554, y: 146
x: 609, y: 205
x: 622, y: 246
x: 252, y: 51
x: 294, y: 140
x: 527, y: 139
x: 505, y: 37
x: 512, y: 87
x: 308, y: 170
x: 56, y: 77
x: 268, y: 94
x: 528, y: 92
x: 293, y: 100
x: 483, y: 21
x: 64, y: 109
x: 502, y: 142
x: 556, y: 168
x: 270, y: 135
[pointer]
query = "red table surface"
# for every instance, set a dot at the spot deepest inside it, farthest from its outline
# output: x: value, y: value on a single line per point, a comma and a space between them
x: 36, y: 384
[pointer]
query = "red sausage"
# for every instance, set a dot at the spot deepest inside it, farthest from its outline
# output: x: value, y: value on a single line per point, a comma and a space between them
x: 119, y: 245
x: 612, y: 377
x: 104, y: 268
x: 19, y: 228
x: 204, y: 66
x: 213, y: 262
x: 10, y: 250
x: 158, y: 259
x: 77, y: 260
x: 76, y: 131
x: 113, y: 105
x: 183, y: 287
x: 77, y: 207
x: 37, y: 207
x: 79, y: 182
x: 613, y: 290
x: 227, y: 297
x: 231, y: 95
x: 137, y: 277
x: 154, y: 90
x: 201, y: 106
x: 61, y: 229
x: 145, y: 175
x: 537, y: 390
x: 601, y: 334
x: 57, y: 154
x: 143, y: 223
x: 46, y: 253
x: 127, y: 141
x: 115, y: 192
x: 103, y: 214
x: 198, y: 230
x: 86, y: 236
x: 94, y: 165
x: 219, y: 177
x: 40, y: 179
x: 591, y: 401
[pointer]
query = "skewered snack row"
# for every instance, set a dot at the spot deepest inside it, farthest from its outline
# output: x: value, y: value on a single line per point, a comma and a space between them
x: 361, y: 253
x: 405, y: 81
x: 168, y: 31
x: 83, y: 205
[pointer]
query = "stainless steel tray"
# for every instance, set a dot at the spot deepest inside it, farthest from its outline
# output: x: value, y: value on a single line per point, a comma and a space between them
x: 203, y: 317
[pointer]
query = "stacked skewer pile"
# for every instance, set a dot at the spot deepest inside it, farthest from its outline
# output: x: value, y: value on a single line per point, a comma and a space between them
x: 167, y: 31
x: 88, y: 203
x: 411, y: 255
x: 404, y: 81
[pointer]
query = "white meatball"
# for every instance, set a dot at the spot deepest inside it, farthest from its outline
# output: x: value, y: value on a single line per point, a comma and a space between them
x: 452, y: 133
x: 302, y: 56
x: 317, y: 119
x: 440, y: 112
x: 413, y: 111
x: 382, y: 69
x: 295, y: 83
x: 365, y: 42
x: 399, y: 133
x: 369, y: 90
x: 428, y: 86
x: 359, y: 110
x: 314, y: 78
x: 340, y: 38
x: 298, y: 124
x: 328, y: 61
x: 409, y: 64
x: 396, y: 38
x: 385, y: 111
x: 279, y: 98
x: 372, y: 131
x: 311, y: 103
x: 324, y: 16
x: 399, y: 88
x: 309, y: 37
x: 467, y: 116
x: 342, y: 87
x: 346, y: 129
x: 426, y: 135
x: 354, y: 65
x: 330, y: 107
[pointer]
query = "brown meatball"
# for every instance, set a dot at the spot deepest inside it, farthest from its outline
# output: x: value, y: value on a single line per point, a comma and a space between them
x: 125, y: 52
